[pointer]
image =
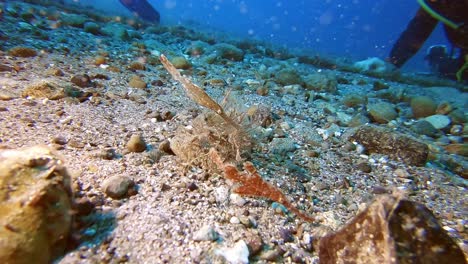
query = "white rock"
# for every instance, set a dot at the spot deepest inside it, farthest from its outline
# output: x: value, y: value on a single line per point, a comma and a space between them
x: 438, y: 121
x: 237, y: 199
x: 238, y: 254
x: 221, y: 194
x: 206, y: 233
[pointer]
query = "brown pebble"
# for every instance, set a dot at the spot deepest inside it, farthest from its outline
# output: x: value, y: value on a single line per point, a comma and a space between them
x: 136, y: 143
x: 254, y: 242
x: 59, y: 140
x: 23, y: 52
x: 117, y: 187
x: 107, y: 154
x: 5, y: 68
x: 165, y: 147
x: 364, y: 167
x: 192, y: 186
x: 157, y: 83
x: 83, y: 206
x: 379, y: 190
x: 137, y: 82
x: 262, y: 91
x: 81, y: 80
x: 167, y: 115
x: 165, y: 187
x: 136, y: 65
x: 99, y: 60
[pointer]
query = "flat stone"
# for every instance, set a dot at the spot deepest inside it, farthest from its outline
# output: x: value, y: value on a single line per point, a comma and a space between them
x: 117, y: 187
x: 438, y: 121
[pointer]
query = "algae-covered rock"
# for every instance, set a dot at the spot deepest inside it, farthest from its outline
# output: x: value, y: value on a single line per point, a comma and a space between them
x: 354, y: 100
x: 288, y: 77
x: 44, y: 89
x: 35, y: 205
x: 321, y: 82
x: 197, y: 48
x: 92, y: 27
x: 228, y: 51
x: 382, y: 112
x: 391, y: 230
x: 137, y: 82
x: 181, y: 62
x: 73, y: 20
x: 423, y: 106
x: 23, y: 52
x: 396, y: 145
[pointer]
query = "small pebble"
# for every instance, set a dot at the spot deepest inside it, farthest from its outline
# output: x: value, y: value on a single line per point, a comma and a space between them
x: 192, y: 186
x: 237, y: 199
x: 364, y: 167
x: 117, y: 187
x: 234, y: 220
x: 136, y: 143
x: 81, y: 80
x: 286, y: 235
x: 165, y: 147
x: 206, y: 233
x: 137, y: 82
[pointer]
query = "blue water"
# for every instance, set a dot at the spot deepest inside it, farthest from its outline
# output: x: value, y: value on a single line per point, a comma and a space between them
x: 355, y: 29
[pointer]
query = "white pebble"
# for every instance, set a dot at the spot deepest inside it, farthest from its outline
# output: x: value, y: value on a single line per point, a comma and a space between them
x: 238, y: 254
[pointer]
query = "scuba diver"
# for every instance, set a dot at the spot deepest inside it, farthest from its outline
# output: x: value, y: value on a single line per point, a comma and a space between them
x: 453, y: 14
x: 142, y: 9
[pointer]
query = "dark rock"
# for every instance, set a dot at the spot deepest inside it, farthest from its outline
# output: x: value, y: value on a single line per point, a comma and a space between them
x: 286, y: 235
x: 81, y: 80
x: 83, y: 206
x: 59, y: 140
x: 396, y: 145
x: 423, y: 127
x: 165, y: 187
x: 376, y: 86
x: 364, y: 167
x: 157, y: 83
x: 391, y: 230
x: 192, y: 186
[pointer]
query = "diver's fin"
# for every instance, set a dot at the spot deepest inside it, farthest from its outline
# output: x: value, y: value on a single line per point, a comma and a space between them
x: 142, y: 9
